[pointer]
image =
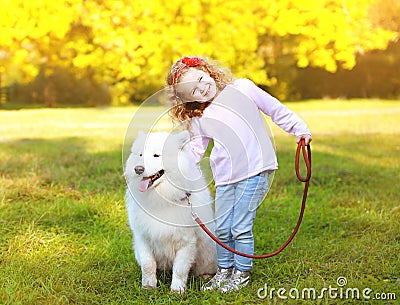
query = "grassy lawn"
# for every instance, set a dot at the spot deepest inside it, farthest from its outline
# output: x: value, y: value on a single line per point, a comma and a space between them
x: 64, y: 237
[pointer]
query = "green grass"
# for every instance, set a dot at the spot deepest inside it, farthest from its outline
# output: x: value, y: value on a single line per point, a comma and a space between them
x: 64, y: 237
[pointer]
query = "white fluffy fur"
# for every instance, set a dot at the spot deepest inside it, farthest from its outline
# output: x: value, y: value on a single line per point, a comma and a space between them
x: 164, y: 233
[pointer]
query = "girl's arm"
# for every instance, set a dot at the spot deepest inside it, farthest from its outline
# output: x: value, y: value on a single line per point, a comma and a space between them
x: 279, y: 113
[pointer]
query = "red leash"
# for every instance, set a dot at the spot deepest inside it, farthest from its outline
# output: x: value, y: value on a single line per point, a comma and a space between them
x: 307, y: 159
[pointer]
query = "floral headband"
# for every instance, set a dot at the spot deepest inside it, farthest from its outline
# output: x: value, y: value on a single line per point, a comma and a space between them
x: 186, y: 62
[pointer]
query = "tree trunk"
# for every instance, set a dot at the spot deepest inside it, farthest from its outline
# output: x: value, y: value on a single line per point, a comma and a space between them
x: 49, y: 94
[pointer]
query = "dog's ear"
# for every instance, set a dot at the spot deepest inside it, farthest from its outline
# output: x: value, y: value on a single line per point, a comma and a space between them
x: 135, y: 143
x: 140, y: 135
x: 183, y: 138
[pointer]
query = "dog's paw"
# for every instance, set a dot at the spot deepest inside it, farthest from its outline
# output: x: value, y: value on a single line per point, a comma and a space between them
x: 178, y: 284
x: 149, y: 282
x: 178, y: 290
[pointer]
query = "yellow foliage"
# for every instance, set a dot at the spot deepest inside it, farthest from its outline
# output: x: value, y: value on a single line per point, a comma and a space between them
x: 126, y: 42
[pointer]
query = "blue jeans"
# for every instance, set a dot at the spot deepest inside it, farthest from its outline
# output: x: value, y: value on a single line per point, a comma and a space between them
x: 235, y: 210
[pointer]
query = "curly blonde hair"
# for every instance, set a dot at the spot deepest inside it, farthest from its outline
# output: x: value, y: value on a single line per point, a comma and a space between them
x: 183, y: 111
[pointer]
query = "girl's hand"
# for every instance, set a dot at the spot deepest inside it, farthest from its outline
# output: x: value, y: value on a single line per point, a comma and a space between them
x: 307, y: 138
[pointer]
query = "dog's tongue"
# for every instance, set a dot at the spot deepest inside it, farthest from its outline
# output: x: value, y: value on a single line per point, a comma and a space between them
x: 144, y: 184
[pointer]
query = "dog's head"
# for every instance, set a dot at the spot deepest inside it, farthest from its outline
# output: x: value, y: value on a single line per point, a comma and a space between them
x: 155, y: 158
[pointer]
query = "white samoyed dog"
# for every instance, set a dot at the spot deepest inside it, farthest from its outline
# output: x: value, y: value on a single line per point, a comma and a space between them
x: 163, y: 181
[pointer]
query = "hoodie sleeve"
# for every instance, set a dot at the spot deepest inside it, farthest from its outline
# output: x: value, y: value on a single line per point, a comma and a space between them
x: 198, y: 141
x: 279, y: 113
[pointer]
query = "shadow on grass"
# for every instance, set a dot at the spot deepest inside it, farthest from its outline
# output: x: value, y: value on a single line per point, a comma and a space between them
x: 59, y: 183
x: 59, y: 189
x: 346, y: 173
x: 63, y: 222
x: 350, y: 213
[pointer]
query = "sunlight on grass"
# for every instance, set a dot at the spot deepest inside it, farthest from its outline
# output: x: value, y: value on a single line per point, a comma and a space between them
x: 354, y: 117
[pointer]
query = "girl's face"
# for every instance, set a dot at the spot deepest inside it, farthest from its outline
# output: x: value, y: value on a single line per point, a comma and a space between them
x: 196, y: 86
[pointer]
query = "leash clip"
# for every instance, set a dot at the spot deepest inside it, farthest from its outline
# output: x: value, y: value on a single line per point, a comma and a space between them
x: 195, y: 216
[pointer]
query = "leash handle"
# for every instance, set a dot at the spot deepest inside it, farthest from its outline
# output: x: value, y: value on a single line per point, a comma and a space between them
x: 306, y: 180
x: 307, y: 160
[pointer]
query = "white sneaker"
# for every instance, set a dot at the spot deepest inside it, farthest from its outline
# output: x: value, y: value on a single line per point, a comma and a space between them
x: 238, y: 280
x: 220, y: 278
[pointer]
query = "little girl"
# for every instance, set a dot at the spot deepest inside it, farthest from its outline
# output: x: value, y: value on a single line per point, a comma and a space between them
x: 216, y: 106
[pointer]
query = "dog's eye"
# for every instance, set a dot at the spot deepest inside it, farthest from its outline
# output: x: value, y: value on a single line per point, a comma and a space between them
x: 156, y: 155
x: 140, y: 155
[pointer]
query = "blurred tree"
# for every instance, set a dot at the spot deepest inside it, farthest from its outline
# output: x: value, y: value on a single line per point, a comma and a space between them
x: 377, y: 73
x: 129, y: 45
x: 385, y: 14
x: 66, y: 88
x: 33, y: 34
x: 327, y: 34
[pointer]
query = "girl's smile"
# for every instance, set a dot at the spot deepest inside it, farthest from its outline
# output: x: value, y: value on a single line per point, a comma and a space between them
x: 196, y: 86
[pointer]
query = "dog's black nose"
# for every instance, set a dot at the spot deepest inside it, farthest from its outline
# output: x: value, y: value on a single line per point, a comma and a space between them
x: 139, y: 169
